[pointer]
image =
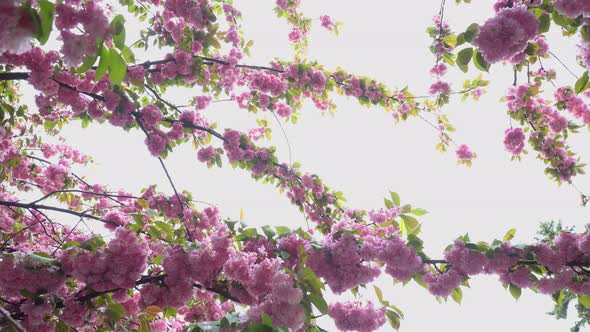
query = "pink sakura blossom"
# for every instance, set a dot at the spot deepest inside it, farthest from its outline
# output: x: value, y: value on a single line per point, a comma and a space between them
x: 584, y: 244
x: 464, y: 153
x: 356, y: 316
x: 342, y: 269
x: 156, y: 144
x: 442, y: 284
x: 118, y: 266
x: 24, y: 273
x: 233, y: 37
x: 282, y: 4
x: 327, y: 22
x: 256, y: 133
x: 207, y: 154
x: 439, y: 69
x: 439, y: 88
x: 506, y: 34
x: 151, y: 115
x: 295, y: 35
x: 543, y: 45
x: 136, y: 73
x: 572, y: 8
x: 514, y: 140
x: 465, y: 260
x: 520, y: 277
x: 202, y: 102
x: 76, y: 47
x: 283, y: 110
x: 17, y: 28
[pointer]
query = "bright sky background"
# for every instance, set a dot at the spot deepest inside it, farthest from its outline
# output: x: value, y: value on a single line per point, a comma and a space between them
x: 362, y: 153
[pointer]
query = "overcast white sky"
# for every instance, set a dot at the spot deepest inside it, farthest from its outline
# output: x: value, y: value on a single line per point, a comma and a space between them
x: 362, y: 153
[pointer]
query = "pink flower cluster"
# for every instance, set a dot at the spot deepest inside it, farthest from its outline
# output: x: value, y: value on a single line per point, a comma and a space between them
x: 464, y: 260
x: 464, y: 152
x: 356, y: 316
x: 183, y: 268
x: 439, y: 88
x: 340, y: 263
x: 118, y: 266
x: 514, y: 140
x: 24, y: 273
x: 506, y: 34
x: 572, y: 8
x: 17, y: 28
x: 568, y: 100
x: 302, y: 78
x: 327, y: 22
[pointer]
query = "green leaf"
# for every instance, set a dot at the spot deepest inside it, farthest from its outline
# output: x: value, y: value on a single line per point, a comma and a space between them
x: 457, y: 295
x: 545, y: 23
x: 395, y: 198
x: 470, y: 33
x: 463, y: 58
x: 118, y: 30
x: 509, y: 235
x: 103, y: 64
x: 117, y: 67
x: 388, y: 203
x: 582, y: 83
x: 410, y: 223
x: 379, y: 294
x: 266, y: 320
x: 128, y: 55
x: 515, y: 291
x: 418, y: 212
x: 46, y: 14
x: 282, y: 231
x: 43, y: 259
x: 393, y: 318
x: 584, y: 300
x: 115, y: 312
x: 61, y: 327
x: 319, y: 302
x: 479, y: 62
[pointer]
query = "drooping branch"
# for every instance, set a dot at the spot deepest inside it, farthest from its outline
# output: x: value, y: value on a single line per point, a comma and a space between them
x: 57, y: 209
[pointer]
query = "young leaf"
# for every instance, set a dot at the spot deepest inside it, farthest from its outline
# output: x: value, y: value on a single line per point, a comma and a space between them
x: 117, y: 67
x: 118, y: 30
x: 515, y: 291
x: 463, y: 58
x: 46, y: 14
x: 103, y: 64
x: 582, y: 83
x: 479, y: 62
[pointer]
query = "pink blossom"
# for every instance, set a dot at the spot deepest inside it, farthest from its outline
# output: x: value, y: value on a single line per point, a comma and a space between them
x: 465, y: 260
x: 156, y: 144
x: 439, y: 87
x: 356, y: 316
x: 464, y: 153
x: 17, y: 29
x: 151, y: 115
x: 443, y: 284
x: 295, y: 35
x: 514, y: 140
x: 572, y: 8
x: 439, y: 69
x: 327, y: 22
x: 506, y: 34
x: 202, y: 102
x: 207, y: 154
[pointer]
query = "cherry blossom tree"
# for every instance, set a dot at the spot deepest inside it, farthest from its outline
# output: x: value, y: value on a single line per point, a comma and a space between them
x: 151, y: 261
